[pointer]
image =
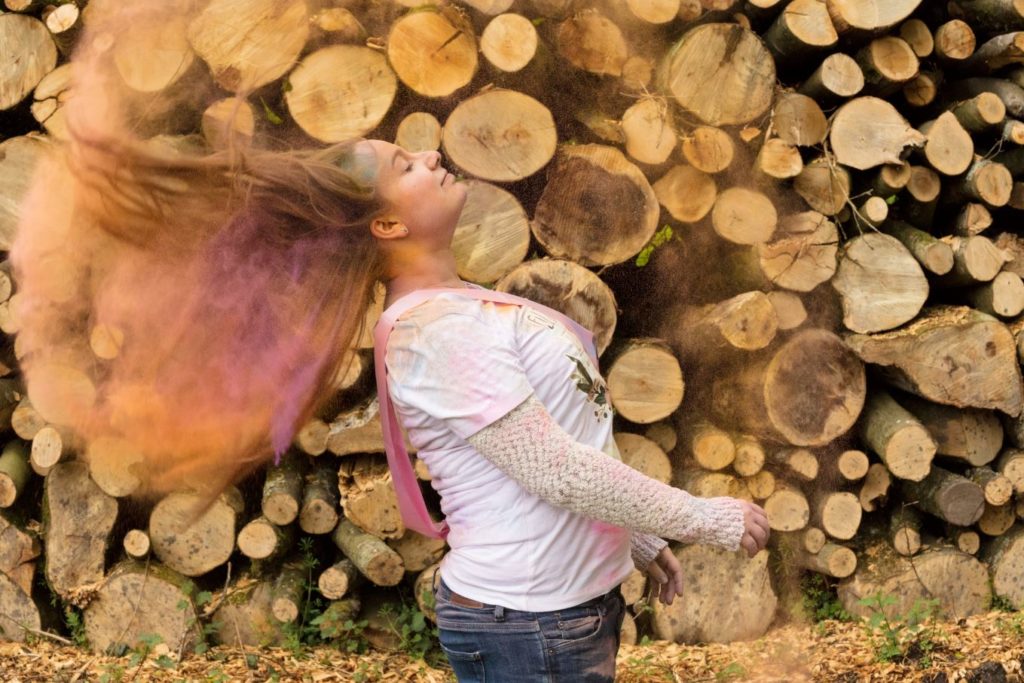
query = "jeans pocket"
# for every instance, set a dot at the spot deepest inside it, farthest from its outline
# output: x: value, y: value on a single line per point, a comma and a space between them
x: 467, y: 666
x: 573, y: 631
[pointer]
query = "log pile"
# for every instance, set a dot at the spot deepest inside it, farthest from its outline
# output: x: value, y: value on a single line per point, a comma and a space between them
x: 791, y: 225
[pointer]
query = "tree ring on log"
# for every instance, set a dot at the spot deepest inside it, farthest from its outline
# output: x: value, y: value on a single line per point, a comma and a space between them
x: 722, y: 73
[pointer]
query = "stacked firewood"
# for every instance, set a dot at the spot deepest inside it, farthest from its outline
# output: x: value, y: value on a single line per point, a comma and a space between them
x: 790, y: 224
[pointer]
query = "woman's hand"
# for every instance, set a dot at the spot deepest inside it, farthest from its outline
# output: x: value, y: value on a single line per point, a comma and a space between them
x: 756, y: 530
x: 665, y: 571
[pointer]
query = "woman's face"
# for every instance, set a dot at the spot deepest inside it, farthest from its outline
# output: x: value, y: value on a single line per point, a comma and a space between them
x: 418, y: 193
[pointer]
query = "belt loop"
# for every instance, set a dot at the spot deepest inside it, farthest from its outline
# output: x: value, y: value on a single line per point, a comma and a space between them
x: 499, y: 613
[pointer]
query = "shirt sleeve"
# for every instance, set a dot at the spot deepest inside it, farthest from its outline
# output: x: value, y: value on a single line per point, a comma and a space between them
x: 457, y: 368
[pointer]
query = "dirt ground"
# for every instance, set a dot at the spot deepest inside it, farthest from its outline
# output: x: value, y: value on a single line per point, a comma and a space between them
x: 983, y: 649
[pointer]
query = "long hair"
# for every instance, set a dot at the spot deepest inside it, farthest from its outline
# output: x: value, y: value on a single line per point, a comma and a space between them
x: 189, y: 308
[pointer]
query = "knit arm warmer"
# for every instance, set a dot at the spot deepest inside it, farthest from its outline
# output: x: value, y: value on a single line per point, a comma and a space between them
x: 644, y: 548
x: 531, y: 448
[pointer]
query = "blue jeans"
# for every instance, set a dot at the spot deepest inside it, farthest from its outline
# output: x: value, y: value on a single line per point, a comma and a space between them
x: 493, y: 644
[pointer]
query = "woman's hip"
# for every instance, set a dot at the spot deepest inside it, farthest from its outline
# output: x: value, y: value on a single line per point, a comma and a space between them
x: 493, y: 643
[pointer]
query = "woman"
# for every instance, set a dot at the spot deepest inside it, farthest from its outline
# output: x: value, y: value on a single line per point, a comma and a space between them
x: 234, y: 282
x: 537, y: 514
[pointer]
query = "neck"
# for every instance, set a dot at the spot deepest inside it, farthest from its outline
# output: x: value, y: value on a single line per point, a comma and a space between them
x: 431, y: 270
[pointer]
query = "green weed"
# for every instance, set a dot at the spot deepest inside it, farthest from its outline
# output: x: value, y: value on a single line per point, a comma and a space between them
x: 908, y: 637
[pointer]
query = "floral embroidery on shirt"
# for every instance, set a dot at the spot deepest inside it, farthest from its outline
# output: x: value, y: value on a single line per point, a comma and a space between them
x: 595, y: 389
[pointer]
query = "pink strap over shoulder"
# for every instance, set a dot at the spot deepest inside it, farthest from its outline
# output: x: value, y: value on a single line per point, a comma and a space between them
x: 410, y: 498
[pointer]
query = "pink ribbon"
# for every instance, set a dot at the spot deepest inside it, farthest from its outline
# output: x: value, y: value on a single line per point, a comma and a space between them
x: 410, y: 498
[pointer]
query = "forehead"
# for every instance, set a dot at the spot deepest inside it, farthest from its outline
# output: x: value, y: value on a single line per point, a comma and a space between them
x: 380, y: 155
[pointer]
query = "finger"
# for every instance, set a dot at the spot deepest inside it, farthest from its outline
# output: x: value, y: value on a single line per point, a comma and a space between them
x: 749, y: 544
x: 656, y: 573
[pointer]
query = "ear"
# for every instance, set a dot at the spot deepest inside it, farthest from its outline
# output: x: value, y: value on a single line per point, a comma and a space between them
x: 387, y: 228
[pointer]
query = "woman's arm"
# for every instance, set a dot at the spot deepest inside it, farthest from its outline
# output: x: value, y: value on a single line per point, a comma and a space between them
x: 529, y: 446
x: 644, y: 548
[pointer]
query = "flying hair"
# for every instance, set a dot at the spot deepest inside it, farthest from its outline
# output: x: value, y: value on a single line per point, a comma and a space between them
x: 184, y: 307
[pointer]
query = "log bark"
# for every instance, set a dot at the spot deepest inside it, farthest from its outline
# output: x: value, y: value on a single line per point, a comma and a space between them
x: 991, y: 16
x: 905, y: 530
x: 15, y: 472
x: 950, y: 355
x: 838, y: 77
x: 947, y: 496
x: 282, y: 490
x: 335, y: 581
x: 975, y: 260
x: 371, y: 556
x: 972, y: 436
x: 888, y: 62
x: 933, y: 254
x: 243, y: 614
x: 899, y: 439
x: 287, y: 592
x: 803, y: 29
x: 832, y: 560
x: 318, y: 513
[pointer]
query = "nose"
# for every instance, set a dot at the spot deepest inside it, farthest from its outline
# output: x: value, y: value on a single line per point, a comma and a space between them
x: 433, y: 159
